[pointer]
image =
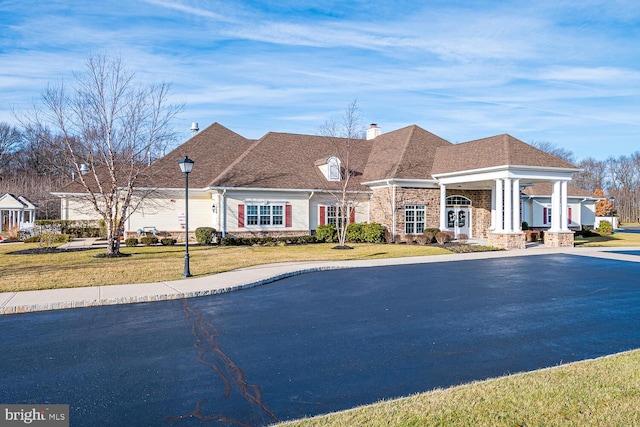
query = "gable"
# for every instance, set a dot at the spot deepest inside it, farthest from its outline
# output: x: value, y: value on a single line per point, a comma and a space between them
x: 9, y: 201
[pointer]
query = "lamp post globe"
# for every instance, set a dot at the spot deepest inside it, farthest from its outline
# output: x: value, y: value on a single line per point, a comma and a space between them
x: 186, y: 166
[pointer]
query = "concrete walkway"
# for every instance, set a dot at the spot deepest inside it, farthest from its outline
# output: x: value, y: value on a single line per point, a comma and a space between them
x: 53, y: 299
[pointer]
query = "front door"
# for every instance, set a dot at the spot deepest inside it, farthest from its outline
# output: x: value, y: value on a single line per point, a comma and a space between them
x: 458, y: 220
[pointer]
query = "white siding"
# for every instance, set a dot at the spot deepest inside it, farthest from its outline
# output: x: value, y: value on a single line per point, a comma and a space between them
x: 162, y: 213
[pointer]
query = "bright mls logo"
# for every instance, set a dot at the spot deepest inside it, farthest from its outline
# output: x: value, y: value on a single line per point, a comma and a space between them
x: 36, y: 415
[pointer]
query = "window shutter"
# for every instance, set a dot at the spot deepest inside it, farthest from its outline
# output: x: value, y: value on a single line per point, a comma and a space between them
x: 544, y: 215
x: 287, y: 212
x: 569, y: 215
x: 240, y: 216
x: 352, y: 215
x: 323, y: 215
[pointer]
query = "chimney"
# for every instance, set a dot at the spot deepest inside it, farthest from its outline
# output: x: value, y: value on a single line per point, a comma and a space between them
x: 373, y: 131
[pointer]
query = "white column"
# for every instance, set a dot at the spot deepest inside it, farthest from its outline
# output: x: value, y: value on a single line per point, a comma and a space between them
x: 499, y: 207
x: 517, y: 224
x: 443, y: 207
x: 564, y: 207
x: 508, y: 216
x: 555, y: 207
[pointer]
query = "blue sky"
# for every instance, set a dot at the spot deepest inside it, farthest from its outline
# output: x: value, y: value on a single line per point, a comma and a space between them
x: 565, y: 72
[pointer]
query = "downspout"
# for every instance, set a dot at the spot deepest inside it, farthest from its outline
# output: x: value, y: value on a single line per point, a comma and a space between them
x: 222, y: 213
x: 309, y: 214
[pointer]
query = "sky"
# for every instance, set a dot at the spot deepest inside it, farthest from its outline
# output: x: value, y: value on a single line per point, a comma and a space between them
x: 558, y: 71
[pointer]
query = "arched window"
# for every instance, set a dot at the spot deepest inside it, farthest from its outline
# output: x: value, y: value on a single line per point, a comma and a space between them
x: 458, y: 201
x: 334, y: 168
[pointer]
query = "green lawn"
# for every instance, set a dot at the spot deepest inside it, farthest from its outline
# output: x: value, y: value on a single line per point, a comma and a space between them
x: 160, y: 263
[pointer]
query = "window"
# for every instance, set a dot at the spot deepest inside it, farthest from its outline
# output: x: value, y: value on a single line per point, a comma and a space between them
x: 414, y: 216
x: 546, y: 215
x: 333, y: 163
x: 458, y: 201
x: 265, y: 214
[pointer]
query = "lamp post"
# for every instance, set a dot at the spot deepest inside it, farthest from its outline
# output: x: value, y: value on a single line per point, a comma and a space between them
x: 612, y: 200
x: 186, y: 165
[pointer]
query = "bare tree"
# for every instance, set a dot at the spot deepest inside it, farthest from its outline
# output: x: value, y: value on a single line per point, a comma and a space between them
x: 10, y: 139
x: 555, y: 150
x: 109, y: 126
x: 345, y: 133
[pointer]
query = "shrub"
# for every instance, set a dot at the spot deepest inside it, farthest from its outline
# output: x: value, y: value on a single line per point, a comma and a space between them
x: 429, y: 236
x: 432, y: 230
x: 373, y: 233
x: 462, y: 238
x: 48, y: 240
x: 531, y: 235
x: 131, y: 241
x: 355, y: 232
x: 205, y: 235
x: 167, y: 241
x: 525, y: 225
x: 605, y: 227
x: 149, y: 240
x: 327, y: 233
x: 443, y: 237
x: 421, y: 239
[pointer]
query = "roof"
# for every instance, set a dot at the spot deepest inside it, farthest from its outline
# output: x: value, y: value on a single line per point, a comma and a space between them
x: 405, y: 153
x: 545, y: 189
x: 497, y: 150
x: 278, y: 160
x: 9, y: 201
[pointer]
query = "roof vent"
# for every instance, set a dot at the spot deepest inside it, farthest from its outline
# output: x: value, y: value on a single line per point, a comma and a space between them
x: 373, y: 131
x: 194, y: 127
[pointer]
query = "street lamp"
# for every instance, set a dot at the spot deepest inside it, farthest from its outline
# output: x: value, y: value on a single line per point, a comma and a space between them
x: 186, y: 165
x: 612, y: 200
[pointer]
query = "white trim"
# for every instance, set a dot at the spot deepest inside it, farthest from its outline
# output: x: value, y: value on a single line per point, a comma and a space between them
x: 503, y: 168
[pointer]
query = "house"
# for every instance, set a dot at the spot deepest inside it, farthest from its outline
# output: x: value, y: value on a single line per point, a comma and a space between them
x: 16, y: 213
x: 537, y: 207
x: 407, y: 180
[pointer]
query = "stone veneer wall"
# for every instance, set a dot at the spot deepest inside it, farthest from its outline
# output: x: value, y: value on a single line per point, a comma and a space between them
x: 507, y: 240
x: 381, y: 204
x: 558, y: 240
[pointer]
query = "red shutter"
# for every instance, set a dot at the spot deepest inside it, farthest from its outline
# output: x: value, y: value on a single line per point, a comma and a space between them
x: 287, y: 213
x: 323, y: 215
x: 352, y: 215
x: 544, y: 215
x: 569, y: 215
x: 240, y: 216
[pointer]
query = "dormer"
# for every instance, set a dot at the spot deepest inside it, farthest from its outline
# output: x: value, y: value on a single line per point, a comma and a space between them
x: 330, y: 168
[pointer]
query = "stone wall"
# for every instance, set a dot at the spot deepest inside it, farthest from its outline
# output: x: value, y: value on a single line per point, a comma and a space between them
x: 507, y: 240
x: 558, y: 239
x: 382, y: 202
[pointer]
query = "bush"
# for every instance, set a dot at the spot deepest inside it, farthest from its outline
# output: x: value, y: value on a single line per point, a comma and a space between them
x: 532, y: 235
x: 48, y: 240
x: 373, y: 233
x: 443, y: 237
x: 605, y: 227
x: 462, y: 238
x: 525, y: 225
x: 167, y: 241
x: 149, y: 240
x: 130, y: 242
x: 421, y: 239
x: 429, y: 237
x: 355, y: 232
x: 205, y: 235
x: 327, y: 233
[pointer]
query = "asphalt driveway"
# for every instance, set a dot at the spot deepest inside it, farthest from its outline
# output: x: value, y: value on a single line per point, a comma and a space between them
x: 319, y: 342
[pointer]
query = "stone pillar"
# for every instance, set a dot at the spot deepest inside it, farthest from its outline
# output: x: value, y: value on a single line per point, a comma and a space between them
x: 508, y: 216
x: 443, y: 207
x: 499, y: 208
x: 517, y: 224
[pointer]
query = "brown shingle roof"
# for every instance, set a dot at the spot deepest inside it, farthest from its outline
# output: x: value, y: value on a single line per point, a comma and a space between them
x: 283, y: 160
x: 213, y: 150
x: 493, y: 151
x: 405, y: 153
x: 545, y: 189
